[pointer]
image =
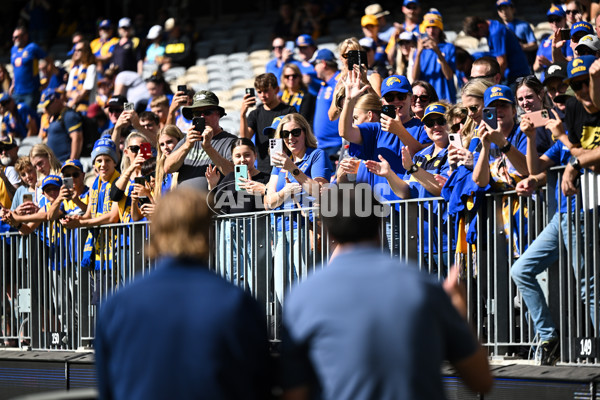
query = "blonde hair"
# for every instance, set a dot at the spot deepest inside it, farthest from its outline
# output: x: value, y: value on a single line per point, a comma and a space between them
x: 297, y: 71
x: 42, y: 150
x: 174, y: 132
x: 369, y: 102
x: 473, y: 88
x: 345, y: 46
x: 125, y: 163
x: 159, y: 101
x: 181, y: 225
x: 310, y: 139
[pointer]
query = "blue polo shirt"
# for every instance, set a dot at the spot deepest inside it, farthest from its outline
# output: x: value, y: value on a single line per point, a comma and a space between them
x: 325, y: 130
x: 315, y: 83
x: 522, y: 31
x: 545, y: 49
x: 431, y: 71
x: 503, y: 42
x: 25, y: 67
x: 377, y: 141
x: 59, y: 131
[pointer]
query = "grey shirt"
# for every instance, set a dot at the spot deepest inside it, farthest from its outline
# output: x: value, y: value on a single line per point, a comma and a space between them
x: 191, y: 173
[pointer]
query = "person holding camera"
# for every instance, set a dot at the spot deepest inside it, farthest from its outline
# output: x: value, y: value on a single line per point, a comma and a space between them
x: 205, y: 144
x: 73, y: 196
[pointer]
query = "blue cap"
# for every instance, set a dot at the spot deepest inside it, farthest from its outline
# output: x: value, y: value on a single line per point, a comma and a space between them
x: 579, y: 66
x: 395, y: 83
x: 582, y: 26
x: 305, y: 40
x: 47, y: 96
x: 72, y: 163
x: 104, y: 24
x: 498, y: 92
x: 270, y: 130
x: 407, y: 2
x: 51, y: 180
x: 4, y: 97
x: 433, y: 109
x: 501, y: 3
x: 325, y: 55
x: 106, y: 147
x: 556, y: 11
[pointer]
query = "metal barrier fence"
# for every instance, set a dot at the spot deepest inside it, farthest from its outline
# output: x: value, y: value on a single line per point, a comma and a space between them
x: 49, y: 301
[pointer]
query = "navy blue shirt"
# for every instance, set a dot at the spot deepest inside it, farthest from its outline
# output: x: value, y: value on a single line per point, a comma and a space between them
x: 59, y: 130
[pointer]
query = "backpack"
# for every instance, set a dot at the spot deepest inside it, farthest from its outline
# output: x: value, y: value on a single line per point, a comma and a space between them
x: 89, y: 127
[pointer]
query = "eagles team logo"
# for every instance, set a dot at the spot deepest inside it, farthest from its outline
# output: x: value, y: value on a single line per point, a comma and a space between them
x: 587, y: 38
x: 577, y: 66
x: 554, y: 9
x: 553, y: 69
x: 18, y: 62
x: 496, y: 89
x: 390, y: 81
x: 577, y: 62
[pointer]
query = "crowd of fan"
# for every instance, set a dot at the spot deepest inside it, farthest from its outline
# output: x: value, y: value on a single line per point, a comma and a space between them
x: 408, y: 113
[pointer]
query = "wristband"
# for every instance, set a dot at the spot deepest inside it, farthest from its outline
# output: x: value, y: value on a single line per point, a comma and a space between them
x: 505, y: 149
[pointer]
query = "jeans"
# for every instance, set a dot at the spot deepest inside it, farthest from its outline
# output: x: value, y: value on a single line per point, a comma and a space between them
x: 536, y: 259
x: 235, y: 250
x: 287, y: 262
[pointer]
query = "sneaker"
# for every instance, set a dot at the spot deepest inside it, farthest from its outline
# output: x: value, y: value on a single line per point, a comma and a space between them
x: 550, y: 351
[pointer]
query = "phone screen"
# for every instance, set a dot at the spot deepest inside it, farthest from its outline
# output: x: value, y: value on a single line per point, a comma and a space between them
x: 241, y: 171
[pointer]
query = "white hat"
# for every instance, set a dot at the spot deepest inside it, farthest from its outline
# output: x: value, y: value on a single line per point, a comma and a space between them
x: 154, y: 32
x: 408, y: 36
x: 124, y: 23
x: 169, y: 24
x: 376, y: 10
x: 590, y: 41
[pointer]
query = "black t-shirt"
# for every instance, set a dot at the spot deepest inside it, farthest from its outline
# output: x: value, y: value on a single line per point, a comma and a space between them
x: 179, y: 51
x: 258, y: 120
x: 235, y: 202
x: 583, y: 128
x: 126, y: 56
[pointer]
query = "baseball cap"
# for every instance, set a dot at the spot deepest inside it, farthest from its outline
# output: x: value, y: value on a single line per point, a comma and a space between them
x: 105, y: 24
x: 376, y: 10
x: 7, y: 142
x: 432, y: 19
x: 368, y: 43
x: 588, y: 41
x: 305, y: 40
x: 51, y: 180
x: 395, y: 83
x: 579, y: 66
x: 105, y: 146
x: 117, y: 101
x: 47, y: 96
x: 124, y: 23
x: 72, y: 163
x: 556, y: 11
x: 325, y: 55
x: 154, y: 32
x: 554, y: 71
x: 269, y: 131
x: 501, y: 3
x: 407, y: 2
x: 407, y: 36
x: 369, y: 20
x: 497, y: 92
x: 582, y: 26
x: 203, y: 98
x: 169, y: 24
x: 94, y: 110
x: 434, y: 109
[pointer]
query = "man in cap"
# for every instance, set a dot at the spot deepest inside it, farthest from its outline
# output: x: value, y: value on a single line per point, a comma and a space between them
x: 282, y: 55
x: 556, y: 87
x: 307, y: 49
x: 24, y: 57
x: 504, y: 46
x: 370, y: 27
x: 127, y: 54
x: 70, y: 201
x: 588, y: 45
x: 124, y: 122
x: 199, y: 149
x: 326, y: 130
x: 65, y: 134
x: 18, y: 119
x: 178, y: 49
x: 103, y: 46
x: 557, y: 20
x: 522, y: 29
x: 578, y: 31
x: 412, y: 16
x: 156, y: 50
x: 385, y: 30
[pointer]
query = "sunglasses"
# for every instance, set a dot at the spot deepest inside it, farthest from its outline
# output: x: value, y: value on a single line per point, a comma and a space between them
x: 294, y: 132
x: 430, y: 123
x: 473, y: 109
x: 114, y: 110
x: 554, y: 20
x: 411, y: 6
x: 294, y: 76
x: 344, y: 55
x: 277, y: 47
x: 456, y: 127
x: 389, y: 97
x: 134, y: 148
x: 422, y: 98
x: 74, y: 175
x: 572, y: 12
x: 578, y: 85
x: 203, y: 113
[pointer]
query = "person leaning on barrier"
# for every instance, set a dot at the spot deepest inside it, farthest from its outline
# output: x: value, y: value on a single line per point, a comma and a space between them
x: 74, y: 200
x: 220, y: 347
x: 531, y: 96
x: 340, y: 340
x: 142, y: 199
x: 168, y: 138
x: 28, y: 176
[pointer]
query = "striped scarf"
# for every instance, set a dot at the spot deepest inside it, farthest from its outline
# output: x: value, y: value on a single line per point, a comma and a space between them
x: 294, y: 100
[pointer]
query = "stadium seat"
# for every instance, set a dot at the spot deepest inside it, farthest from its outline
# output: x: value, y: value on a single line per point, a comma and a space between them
x: 26, y: 145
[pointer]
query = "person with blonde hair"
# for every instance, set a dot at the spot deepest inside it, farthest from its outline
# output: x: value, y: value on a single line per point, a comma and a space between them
x: 168, y: 138
x: 294, y: 92
x: 227, y: 319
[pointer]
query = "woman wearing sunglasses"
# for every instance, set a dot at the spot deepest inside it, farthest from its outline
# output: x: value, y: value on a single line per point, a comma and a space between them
x: 435, y: 60
x: 423, y: 95
x: 295, y: 93
x: 425, y: 175
x: 295, y: 181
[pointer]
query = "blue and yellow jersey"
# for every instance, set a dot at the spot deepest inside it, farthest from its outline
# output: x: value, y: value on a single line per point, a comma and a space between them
x: 25, y: 63
x: 104, y: 48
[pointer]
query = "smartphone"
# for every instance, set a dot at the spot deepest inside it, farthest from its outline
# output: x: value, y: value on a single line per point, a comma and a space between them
x: 128, y: 107
x: 182, y: 88
x: 139, y: 180
x: 146, y: 150
x: 144, y: 200
x: 490, y: 117
x: 250, y: 91
x: 565, y: 34
x: 455, y: 140
x: 68, y: 182
x: 27, y: 197
x: 290, y: 45
x: 356, y: 57
x: 199, y: 124
x: 241, y: 171
x: 389, y: 110
x: 538, y: 118
x: 275, y: 146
